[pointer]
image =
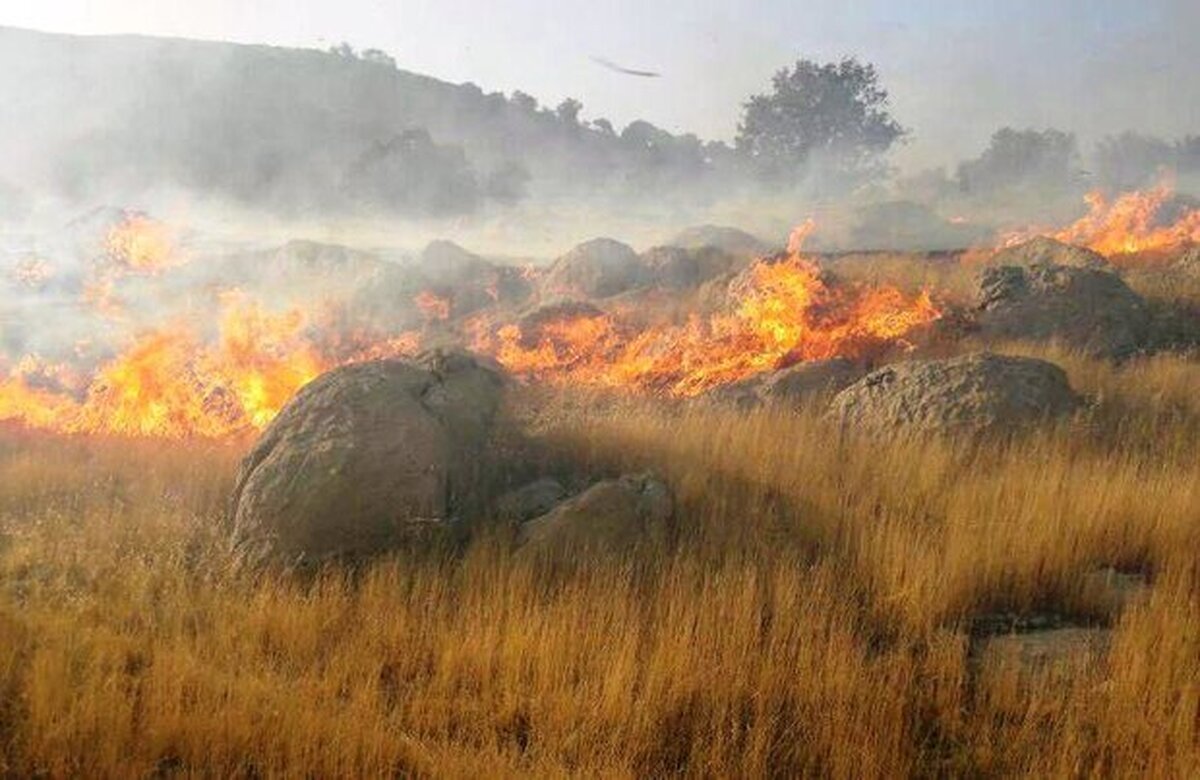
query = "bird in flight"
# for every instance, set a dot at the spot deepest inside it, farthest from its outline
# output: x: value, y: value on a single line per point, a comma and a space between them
x: 648, y: 74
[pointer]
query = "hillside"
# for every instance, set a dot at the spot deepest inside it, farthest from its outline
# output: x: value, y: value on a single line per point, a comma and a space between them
x: 294, y: 130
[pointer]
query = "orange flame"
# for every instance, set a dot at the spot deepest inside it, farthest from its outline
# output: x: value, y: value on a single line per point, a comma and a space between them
x: 436, y: 308
x: 141, y: 245
x: 168, y: 383
x: 31, y: 272
x: 785, y: 313
x: 173, y: 382
x: 1131, y: 224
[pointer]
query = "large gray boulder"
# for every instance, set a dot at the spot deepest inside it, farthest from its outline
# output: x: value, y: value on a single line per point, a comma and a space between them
x: 805, y: 380
x: 466, y: 281
x: 727, y: 239
x: 791, y: 386
x: 1035, y: 657
x: 1085, y: 308
x: 363, y: 458
x: 445, y: 262
x: 611, y: 517
x: 971, y: 395
x: 675, y: 268
x: 531, y: 500
x: 599, y: 268
x: 1043, y: 250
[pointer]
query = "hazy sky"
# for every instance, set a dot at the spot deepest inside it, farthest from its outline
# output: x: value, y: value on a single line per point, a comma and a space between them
x: 956, y: 69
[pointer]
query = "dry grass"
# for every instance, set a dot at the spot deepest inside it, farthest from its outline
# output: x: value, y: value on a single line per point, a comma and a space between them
x: 810, y: 619
x: 953, y: 276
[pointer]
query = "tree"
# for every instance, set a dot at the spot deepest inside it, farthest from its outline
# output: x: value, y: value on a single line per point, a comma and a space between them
x: 524, y: 102
x: 640, y: 134
x: 833, y: 114
x: 507, y: 184
x: 379, y: 57
x: 412, y: 174
x: 604, y: 127
x: 1047, y: 159
x: 1187, y: 153
x: 1130, y: 160
x: 568, y: 112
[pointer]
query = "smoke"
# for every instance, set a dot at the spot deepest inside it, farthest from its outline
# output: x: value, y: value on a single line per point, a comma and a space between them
x: 257, y: 147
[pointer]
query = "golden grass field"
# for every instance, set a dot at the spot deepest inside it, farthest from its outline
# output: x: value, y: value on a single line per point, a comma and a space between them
x: 810, y: 618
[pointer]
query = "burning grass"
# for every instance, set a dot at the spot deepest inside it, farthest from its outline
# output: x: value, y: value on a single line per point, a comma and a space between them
x: 811, y: 618
x: 172, y: 382
x: 1138, y: 228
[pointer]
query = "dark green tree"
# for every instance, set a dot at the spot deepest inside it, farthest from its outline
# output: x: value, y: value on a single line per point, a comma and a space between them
x: 568, y: 112
x: 1132, y: 160
x: 1047, y: 160
x: 833, y: 116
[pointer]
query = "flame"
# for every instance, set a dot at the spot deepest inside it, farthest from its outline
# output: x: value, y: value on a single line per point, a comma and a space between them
x: 1132, y: 223
x: 436, y: 308
x: 33, y: 406
x: 135, y: 246
x: 404, y: 345
x: 177, y: 381
x: 100, y: 295
x: 264, y: 358
x: 170, y: 383
x: 784, y: 313
x: 31, y: 272
x: 141, y: 245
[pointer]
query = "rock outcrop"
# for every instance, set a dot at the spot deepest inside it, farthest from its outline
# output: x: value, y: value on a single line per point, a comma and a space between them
x: 531, y: 500
x: 675, y: 268
x: 599, y: 268
x: 971, y: 395
x: 611, y: 517
x: 727, y: 239
x: 363, y: 458
x: 1085, y: 308
x: 1043, y: 251
x: 792, y: 385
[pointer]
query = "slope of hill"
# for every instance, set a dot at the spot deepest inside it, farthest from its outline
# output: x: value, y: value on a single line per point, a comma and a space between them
x: 294, y: 129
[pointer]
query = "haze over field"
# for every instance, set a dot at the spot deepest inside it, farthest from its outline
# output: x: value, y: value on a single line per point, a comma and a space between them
x: 957, y: 70
x: 386, y: 139
x: 463, y: 389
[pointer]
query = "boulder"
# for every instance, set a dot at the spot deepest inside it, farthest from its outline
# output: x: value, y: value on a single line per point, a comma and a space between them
x: 971, y: 395
x: 297, y: 270
x: 1043, y: 250
x: 805, y: 380
x: 1033, y: 655
x: 534, y: 323
x: 555, y: 324
x: 792, y: 385
x: 445, y: 262
x: 675, y: 268
x: 613, y: 516
x: 598, y: 268
x: 468, y: 282
x: 1029, y: 650
x: 1113, y: 589
x: 1085, y: 308
x: 727, y: 239
x: 532, y: 500
x: 363, y: 458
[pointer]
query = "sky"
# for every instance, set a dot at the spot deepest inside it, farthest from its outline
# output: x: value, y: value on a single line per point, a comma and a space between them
x: 956, y: 70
